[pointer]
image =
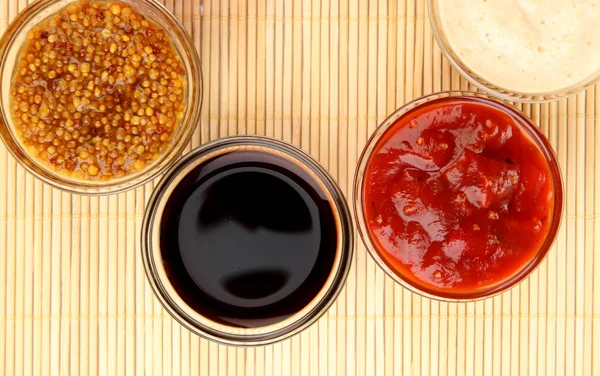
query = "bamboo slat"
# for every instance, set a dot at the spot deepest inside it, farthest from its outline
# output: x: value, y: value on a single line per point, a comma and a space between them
x: 320, y: 74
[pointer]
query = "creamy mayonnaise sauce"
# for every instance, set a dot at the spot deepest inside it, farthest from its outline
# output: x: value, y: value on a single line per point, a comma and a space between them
x: 526, y: 46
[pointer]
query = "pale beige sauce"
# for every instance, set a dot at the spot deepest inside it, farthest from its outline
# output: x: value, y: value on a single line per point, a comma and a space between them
x: 525, y: 46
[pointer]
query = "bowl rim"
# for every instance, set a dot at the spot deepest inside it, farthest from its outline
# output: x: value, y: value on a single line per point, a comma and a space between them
x: 192, y: 115
x: 200, y: 324
x: 528, y: 127
x: 500, y: 92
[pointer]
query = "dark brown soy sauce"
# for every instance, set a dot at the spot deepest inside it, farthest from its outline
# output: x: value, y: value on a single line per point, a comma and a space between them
x: 248, y: 238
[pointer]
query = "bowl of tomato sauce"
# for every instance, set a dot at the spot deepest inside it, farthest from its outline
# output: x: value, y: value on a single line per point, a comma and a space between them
x: 458, y: 196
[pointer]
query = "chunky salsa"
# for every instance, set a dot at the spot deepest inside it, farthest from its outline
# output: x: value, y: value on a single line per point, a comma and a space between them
x: 458, y: 199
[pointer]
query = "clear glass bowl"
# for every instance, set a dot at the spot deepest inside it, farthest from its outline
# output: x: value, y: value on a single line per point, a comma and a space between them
x: 10, y: 45
x: 496, y: 88
x: 528, y: 128
x: 205, y: 326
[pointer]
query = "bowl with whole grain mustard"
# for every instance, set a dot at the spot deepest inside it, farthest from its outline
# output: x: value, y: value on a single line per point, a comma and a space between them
x: 98, y: 97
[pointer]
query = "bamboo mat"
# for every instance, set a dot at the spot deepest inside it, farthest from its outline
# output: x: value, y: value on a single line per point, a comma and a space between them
x: 321, y: 74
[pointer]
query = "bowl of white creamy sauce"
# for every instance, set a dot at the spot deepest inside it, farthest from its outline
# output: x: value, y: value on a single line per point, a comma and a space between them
x: 524, y: 50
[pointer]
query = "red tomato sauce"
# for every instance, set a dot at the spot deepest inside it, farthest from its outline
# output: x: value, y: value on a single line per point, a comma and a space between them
x: 457, y: 198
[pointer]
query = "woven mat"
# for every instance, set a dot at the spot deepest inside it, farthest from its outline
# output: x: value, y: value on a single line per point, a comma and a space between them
x: 321, y: 74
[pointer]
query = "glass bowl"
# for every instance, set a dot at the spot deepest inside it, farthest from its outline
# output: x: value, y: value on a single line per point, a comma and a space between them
x: 526, y: 127
x: 10, y: 45
x: 497, y: 89
x: 205, y: 326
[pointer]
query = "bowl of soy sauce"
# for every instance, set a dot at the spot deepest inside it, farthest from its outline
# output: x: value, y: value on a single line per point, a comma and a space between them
x: 247, y: 240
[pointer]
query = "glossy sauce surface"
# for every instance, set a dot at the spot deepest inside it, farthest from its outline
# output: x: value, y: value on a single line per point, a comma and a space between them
x: 457, y: 198
x: 248, y: 238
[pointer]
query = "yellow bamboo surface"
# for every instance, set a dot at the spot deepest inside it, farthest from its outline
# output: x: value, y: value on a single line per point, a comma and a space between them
x: 321, y: 74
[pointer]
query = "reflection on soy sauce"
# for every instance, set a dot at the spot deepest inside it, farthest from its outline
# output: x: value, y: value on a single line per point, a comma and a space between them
x: 256, y: 284
x: 255, y: 197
